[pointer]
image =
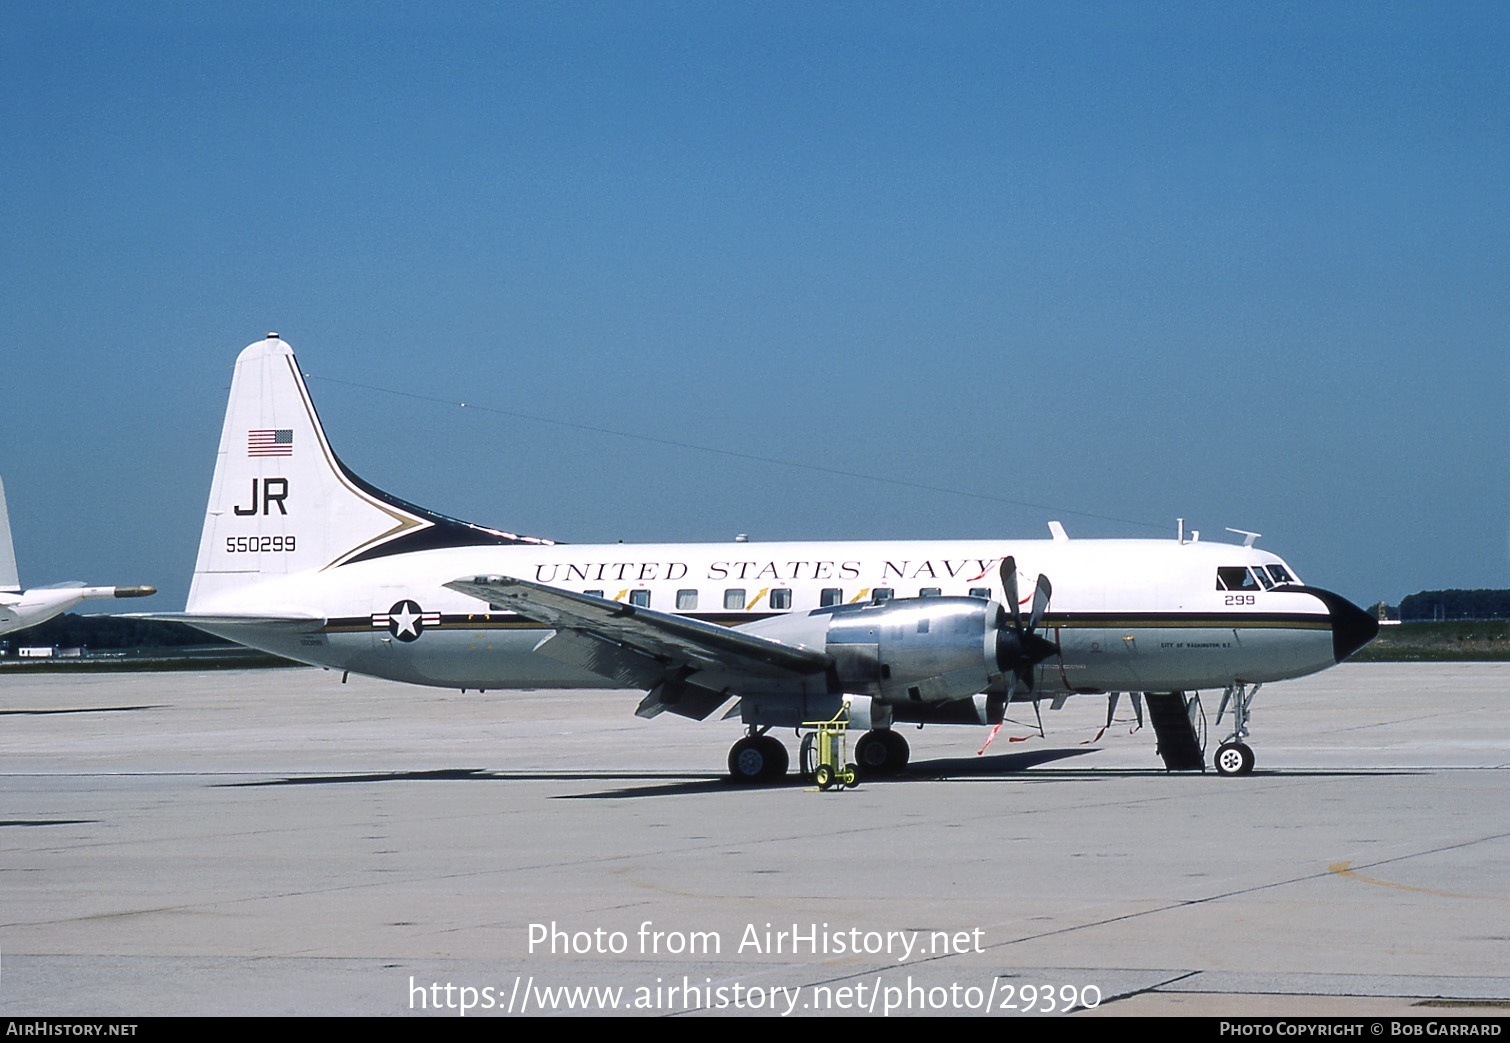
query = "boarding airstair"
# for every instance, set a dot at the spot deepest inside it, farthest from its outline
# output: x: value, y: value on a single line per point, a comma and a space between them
x: 1180, y: 725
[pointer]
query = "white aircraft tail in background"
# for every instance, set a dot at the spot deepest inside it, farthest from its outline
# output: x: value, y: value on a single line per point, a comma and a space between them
x: 26, y: 608
x: 10, y: 580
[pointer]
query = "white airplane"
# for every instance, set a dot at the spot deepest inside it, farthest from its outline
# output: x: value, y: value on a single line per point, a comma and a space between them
x: 20, y: 609
x: 302, y: 558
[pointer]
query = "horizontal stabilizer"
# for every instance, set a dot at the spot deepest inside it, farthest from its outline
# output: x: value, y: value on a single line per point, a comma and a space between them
x: 299, y: 622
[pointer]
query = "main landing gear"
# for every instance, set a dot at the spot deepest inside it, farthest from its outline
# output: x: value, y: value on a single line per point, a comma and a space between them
x: 761, y: 757
x: 1234, y: 756
x: 757, y: 757
x: 881, y: 751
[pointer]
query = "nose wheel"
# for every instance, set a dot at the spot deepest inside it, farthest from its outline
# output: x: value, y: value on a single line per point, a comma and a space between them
x: 1233, y: 758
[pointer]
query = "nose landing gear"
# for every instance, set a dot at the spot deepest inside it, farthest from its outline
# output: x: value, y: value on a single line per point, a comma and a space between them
x: 1234, y: 756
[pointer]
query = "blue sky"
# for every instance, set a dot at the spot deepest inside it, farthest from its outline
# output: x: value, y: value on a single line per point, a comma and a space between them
x: 1114, y: 264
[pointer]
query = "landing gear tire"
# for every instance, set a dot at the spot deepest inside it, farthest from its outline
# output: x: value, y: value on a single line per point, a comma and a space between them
x: 900, y: 753
x: 871, y: 753
x: 881, y: 752
x: 757, y: 758
x: 1233, y: 758
x: 779, y: 759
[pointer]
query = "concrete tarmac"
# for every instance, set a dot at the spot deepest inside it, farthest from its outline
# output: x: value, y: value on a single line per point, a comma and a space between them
x: 276, y: 842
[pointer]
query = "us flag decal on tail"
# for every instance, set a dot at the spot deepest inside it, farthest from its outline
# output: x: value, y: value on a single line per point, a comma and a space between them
x: 270, y: 442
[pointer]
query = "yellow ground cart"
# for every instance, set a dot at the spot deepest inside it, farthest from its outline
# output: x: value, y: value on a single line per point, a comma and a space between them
x: 825, y: 752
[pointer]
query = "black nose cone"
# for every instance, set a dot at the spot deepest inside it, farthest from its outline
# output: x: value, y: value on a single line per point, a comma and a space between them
x: 1352, y: 628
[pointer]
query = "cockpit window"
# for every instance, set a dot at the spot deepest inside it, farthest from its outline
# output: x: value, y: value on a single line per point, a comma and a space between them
x: 1281, y: 574
x: 1235, y: 577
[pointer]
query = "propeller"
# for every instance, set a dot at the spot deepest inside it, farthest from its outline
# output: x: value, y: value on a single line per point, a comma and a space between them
x: 1019, y: 648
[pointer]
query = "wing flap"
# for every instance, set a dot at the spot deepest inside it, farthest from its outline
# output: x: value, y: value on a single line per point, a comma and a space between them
x: 625, y: 666
x: 684, y: 700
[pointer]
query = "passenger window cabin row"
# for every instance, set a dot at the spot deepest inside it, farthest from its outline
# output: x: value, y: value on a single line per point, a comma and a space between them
x: 780, y: 598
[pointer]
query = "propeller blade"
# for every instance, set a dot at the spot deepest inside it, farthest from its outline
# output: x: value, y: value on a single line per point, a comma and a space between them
x: 1024, y: 675
x: 1009, y: 588
x: 1040, y: 602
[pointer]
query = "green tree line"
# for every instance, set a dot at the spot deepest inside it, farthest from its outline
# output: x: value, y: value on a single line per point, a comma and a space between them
x: 102, y: 633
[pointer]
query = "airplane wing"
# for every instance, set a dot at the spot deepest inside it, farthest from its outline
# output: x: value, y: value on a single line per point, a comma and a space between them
x: 643, y: 648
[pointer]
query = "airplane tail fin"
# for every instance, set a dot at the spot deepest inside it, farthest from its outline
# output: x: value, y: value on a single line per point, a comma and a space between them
x: 281, y: 501
x: 10, y: 579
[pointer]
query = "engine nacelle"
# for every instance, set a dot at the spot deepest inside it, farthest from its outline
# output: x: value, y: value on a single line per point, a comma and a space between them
x: 908, y: 651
